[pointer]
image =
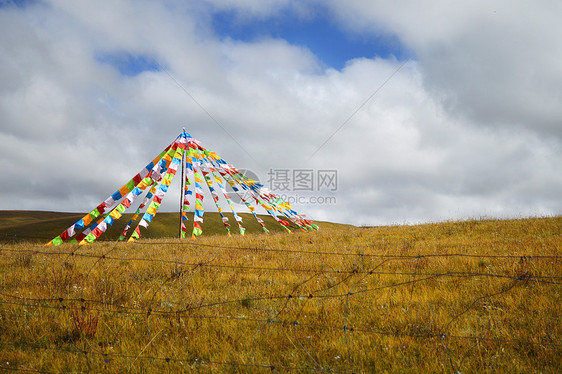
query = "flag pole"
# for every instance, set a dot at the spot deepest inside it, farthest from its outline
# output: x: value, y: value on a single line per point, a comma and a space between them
x: 182, y: 188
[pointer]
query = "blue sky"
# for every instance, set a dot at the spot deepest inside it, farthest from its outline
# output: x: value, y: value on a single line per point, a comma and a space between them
x: 19, y: 3
x: 319, y: 33
x: 128, y: 64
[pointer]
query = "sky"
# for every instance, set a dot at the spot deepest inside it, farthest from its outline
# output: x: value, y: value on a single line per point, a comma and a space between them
x: 369, y: 113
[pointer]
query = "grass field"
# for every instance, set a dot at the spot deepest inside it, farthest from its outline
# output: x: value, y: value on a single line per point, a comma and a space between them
x: 469, y: 296
x: 37, y: 226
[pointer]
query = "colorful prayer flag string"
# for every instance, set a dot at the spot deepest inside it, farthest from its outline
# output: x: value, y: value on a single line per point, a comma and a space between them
x: 200, y: 166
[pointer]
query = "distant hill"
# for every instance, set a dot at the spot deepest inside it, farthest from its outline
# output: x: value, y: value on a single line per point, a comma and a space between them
x: 20, y: 225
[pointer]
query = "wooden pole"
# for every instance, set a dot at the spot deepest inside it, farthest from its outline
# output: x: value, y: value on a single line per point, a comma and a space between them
x: 182, y: 188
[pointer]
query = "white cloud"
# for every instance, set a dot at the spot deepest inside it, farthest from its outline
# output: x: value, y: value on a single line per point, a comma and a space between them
x: 469, y: 128
x: 494, y: 62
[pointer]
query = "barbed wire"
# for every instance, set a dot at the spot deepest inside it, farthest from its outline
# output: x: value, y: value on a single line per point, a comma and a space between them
x: 295, y: 323
x: 325, y: 253
x: 523, y: 256
x: 540, y: 279
x: 184, y: 312
x: 319, y: 253
x: 441, y: 335
x: 197, y: 361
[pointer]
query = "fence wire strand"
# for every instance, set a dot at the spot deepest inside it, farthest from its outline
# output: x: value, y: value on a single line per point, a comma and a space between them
x: 289, y: 315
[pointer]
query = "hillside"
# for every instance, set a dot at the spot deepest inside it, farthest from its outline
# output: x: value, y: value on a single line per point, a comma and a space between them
x: 469, y: 296
x: 40, y: 226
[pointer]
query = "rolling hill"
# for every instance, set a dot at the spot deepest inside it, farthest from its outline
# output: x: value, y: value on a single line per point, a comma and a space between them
x: 18, y: 225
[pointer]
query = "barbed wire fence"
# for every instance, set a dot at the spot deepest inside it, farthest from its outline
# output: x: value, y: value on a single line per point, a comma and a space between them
x: 285, y: 309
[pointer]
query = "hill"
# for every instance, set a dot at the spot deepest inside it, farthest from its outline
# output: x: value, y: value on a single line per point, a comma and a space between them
x: 470, y: 296
x: 40, y: 226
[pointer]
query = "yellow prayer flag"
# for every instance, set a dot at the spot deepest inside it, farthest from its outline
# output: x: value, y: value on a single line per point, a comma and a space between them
x: 115, y: 214
x: 87, y: 220
x: 124, y: 190
x: 142, y: 185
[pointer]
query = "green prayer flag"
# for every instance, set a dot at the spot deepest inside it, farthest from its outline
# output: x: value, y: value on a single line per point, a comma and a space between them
x: 90, y: 238
x: 94, y: 214
x: 130, y: 185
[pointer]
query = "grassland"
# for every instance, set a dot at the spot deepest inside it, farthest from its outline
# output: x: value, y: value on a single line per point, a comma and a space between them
x: 470, y: 296
x: 39, y: 226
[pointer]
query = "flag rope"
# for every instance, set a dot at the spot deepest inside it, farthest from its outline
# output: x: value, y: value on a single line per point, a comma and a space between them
x: 197, y: 164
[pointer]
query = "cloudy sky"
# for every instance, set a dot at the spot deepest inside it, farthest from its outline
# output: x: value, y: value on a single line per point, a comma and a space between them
x: 427, y: 110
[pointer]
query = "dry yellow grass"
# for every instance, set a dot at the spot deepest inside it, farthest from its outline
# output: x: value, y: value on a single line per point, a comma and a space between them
x: 471, y: 296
